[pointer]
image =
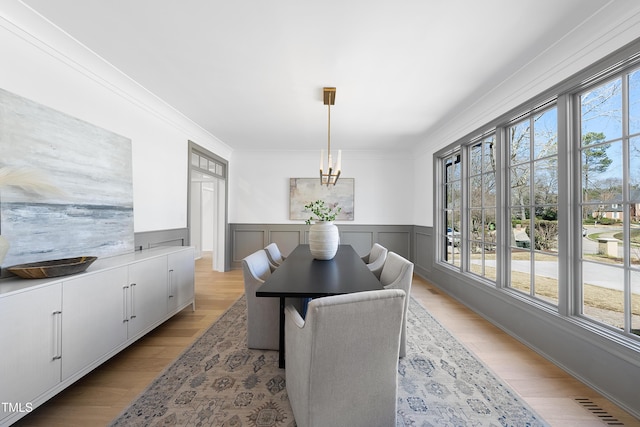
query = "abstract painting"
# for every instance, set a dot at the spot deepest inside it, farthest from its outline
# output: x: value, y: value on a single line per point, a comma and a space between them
x: 303, y: 191
x: 91, y: 211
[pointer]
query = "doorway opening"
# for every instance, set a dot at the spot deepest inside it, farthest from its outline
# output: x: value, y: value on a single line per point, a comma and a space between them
x: 207, y: 206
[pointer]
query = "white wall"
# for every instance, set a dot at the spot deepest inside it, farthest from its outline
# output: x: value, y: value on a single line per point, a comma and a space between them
x: 423, y: 196
x: 259, y: 185
x: 42, y: 64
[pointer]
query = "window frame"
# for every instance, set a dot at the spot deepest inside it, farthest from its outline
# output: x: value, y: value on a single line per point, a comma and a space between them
x: 623, y: 61
x: 468, y: 176
x: 621, y: 73
x: 532, y: 204
x: 455, y: 156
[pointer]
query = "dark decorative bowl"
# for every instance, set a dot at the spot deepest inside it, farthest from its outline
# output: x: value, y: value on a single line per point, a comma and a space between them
x: 53, y: 268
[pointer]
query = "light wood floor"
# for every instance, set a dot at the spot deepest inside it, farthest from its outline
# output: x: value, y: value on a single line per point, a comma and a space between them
x: 100, y: 396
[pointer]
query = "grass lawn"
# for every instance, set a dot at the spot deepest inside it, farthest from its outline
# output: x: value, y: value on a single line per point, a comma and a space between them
x: 547, y: 288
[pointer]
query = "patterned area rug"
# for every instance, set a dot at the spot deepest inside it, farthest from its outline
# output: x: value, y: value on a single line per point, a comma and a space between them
x: 219, y: 382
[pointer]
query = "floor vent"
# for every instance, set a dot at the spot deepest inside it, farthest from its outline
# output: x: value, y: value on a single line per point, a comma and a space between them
x: 597, y: 411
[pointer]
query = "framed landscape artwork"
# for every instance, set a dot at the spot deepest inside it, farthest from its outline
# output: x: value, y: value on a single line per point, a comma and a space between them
x: 91, y: 213
x: 303, y: 191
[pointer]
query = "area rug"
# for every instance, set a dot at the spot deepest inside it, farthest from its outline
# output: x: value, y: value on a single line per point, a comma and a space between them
x: 219, y: 382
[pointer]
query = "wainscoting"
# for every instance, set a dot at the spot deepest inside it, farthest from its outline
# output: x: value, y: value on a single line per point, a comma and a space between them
x: 412, y: 242
x: 402, y: 239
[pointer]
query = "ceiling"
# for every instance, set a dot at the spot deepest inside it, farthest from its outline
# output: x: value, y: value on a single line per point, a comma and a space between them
x: 251, y: 72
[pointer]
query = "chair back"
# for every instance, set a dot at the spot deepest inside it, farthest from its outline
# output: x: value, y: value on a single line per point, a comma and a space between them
x: 376, y: 259
x: 342, y: 360
x: 263, y: 315
x: 274, y: 255
x: 396, y: 269
x: 397, y: 273
x: 255, y: 267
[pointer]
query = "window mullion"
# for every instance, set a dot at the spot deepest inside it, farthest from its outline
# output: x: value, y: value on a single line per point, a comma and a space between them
x: 531, y: 207
x: 569, y: 212
x: 464, y: 208
x: 504, y: 229
x: 626, y: 218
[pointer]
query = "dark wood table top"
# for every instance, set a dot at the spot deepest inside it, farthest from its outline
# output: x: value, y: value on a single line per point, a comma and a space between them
x: 302, y: 276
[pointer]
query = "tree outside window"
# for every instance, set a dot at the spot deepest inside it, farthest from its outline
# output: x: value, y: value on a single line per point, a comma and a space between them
x: 610, y: 261
x: 483, y: 228
x: 533, y: 205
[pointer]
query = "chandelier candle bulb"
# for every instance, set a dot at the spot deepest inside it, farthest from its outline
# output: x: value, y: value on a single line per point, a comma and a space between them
x: 339, y: 165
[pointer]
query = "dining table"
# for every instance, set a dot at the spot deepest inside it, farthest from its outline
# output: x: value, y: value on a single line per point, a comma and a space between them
x: 302, y: 276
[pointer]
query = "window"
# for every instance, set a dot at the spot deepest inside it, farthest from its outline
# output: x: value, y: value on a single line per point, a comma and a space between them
x: 206, y: 165
x: 451, y: 209
x: 610, y: 190
x: 546, y: 205
x: 533, y: 204
x: 482, y: 235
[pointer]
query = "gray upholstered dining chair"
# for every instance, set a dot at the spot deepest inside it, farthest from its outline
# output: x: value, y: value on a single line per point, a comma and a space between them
x: 263, y: 314
x: 274, y: 255
x: 375, y: 259
x: 342, y: 360
x: 397, y: 273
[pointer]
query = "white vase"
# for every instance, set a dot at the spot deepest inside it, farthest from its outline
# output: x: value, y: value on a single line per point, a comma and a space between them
x: 4, y: 248
x: 323, y: 240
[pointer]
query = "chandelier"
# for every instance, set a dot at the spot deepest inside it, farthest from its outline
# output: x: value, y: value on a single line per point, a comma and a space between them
x: 331, y: 175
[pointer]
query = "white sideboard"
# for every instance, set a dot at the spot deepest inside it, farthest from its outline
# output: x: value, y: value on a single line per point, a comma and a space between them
x: 54, y: 331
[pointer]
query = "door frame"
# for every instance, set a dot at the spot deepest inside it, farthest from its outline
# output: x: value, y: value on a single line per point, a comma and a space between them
x: 220, y: 248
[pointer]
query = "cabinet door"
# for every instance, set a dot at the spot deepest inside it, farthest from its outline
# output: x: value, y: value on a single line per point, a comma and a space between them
x: 148, y: 290
x: 94, y: 320
x: 181, y: 279
x: 30, y: 332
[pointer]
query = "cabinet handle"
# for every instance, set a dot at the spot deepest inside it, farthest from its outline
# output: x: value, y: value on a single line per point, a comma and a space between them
x: 171, y: 283
x: 57, y: 336
x: 124, y: 304
x: 133, y: 301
